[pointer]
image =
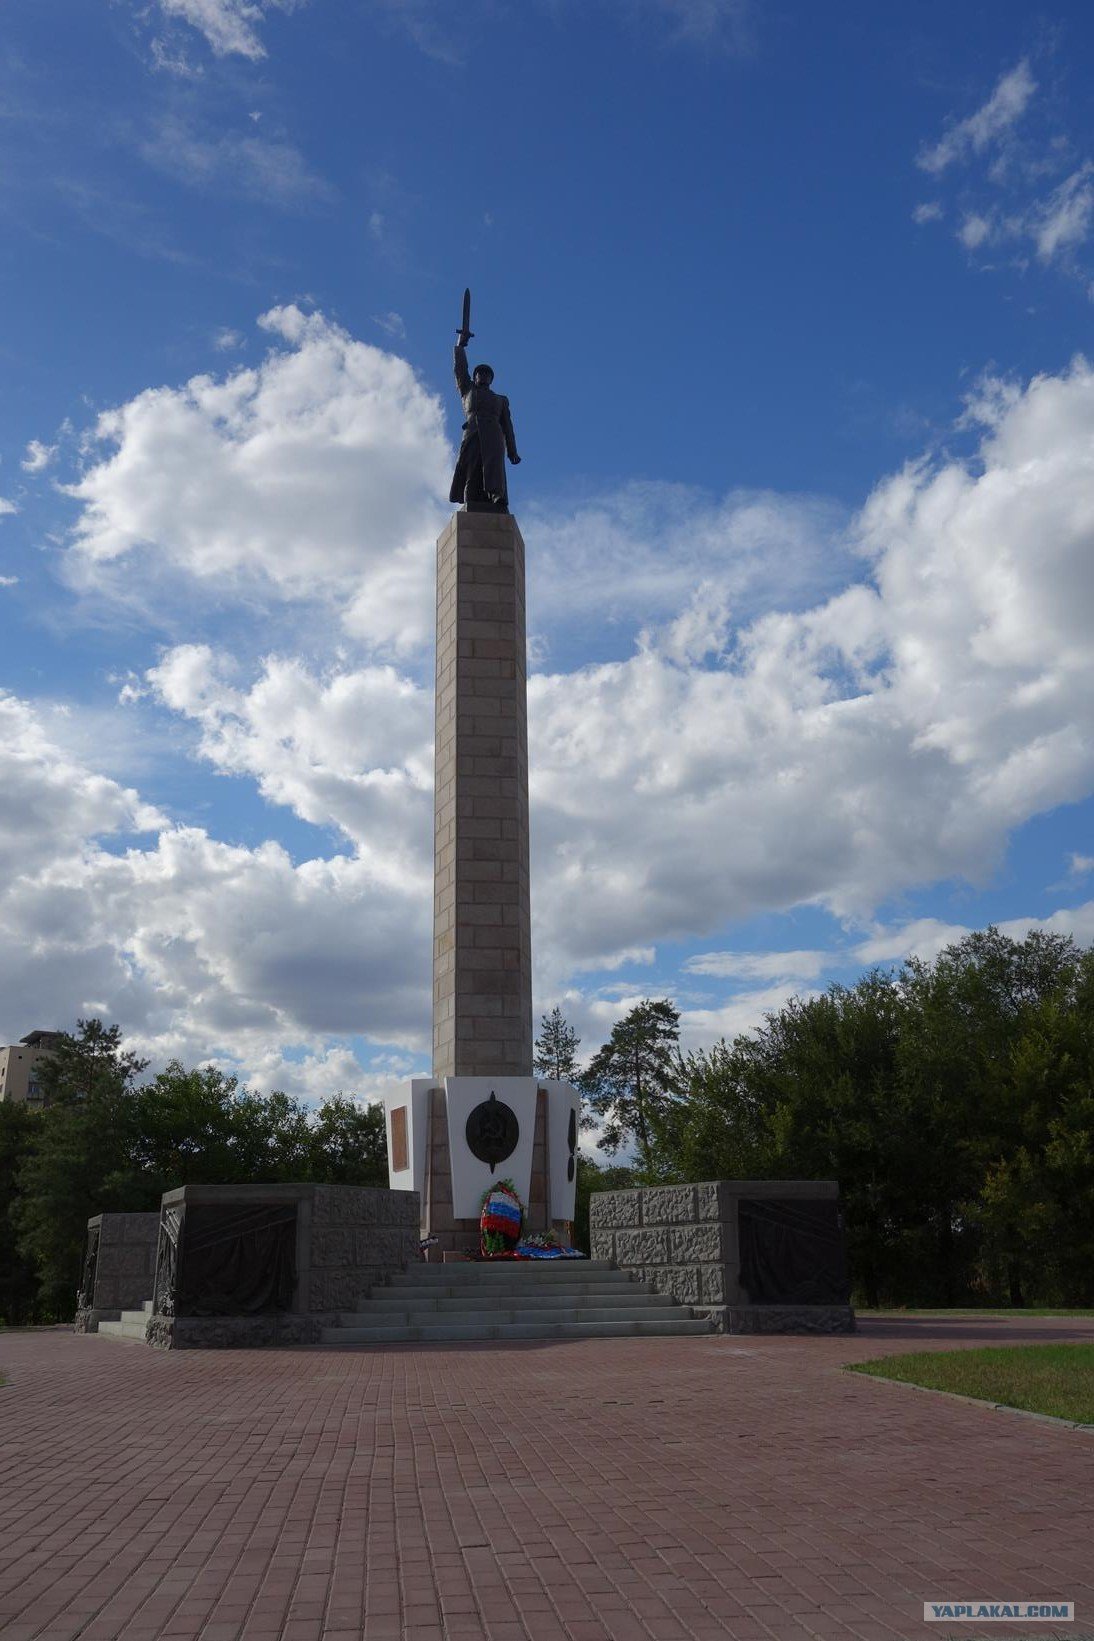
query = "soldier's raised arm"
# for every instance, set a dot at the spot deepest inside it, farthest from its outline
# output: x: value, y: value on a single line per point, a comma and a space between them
x: 459, y: 364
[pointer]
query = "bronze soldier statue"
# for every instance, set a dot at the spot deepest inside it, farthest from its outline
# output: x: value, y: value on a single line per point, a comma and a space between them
x: 479, y: 480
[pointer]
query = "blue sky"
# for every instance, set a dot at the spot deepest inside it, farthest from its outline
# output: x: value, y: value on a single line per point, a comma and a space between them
x: 790, y: 302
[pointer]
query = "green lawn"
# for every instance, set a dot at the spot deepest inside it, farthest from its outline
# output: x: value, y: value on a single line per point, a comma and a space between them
x: 938, y: 1310
x: 1056, y: 1379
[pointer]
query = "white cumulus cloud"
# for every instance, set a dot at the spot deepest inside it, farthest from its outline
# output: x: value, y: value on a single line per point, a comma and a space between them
x: 203, y: 949
x: 235, y: 163
x: 230, y: 26
x: 1006, y: 105
x: 889, y: 736
x: 316, y: 475
x: 353, y: 750
x: 926, y: 937
x: 1064, y: 220
x: 38, y: 456
x: 799, y: 965
x: 654, y: 551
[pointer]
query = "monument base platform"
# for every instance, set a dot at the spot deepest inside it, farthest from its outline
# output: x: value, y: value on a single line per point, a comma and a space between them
x: 779, y: 1318
x: 233, y: 1332
x: 252, y: 1266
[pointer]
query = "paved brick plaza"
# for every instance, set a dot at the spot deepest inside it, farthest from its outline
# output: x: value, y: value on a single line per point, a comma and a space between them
x: 666, y: 1489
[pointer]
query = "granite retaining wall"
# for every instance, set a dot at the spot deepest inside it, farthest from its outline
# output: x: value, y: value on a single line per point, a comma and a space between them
x: 685, y: 1240
x: 345, y: 1239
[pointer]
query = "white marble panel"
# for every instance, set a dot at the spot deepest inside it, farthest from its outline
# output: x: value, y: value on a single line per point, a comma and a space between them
x: 416, y: 1099
x: 562, y: 1098
x: 470, y: 1177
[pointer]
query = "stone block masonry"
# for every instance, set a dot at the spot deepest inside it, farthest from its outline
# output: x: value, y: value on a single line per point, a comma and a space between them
x: 705, y: 1244
x: 119, y: 1267
x: 440, y: 1143
x: 342, y: 1240
x: 482, y: 964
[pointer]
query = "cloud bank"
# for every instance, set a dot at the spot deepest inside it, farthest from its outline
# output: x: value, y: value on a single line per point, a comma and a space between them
x: 924, y: 691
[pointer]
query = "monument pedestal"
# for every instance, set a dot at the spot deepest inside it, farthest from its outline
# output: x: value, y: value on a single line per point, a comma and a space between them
x: 429, y: 1135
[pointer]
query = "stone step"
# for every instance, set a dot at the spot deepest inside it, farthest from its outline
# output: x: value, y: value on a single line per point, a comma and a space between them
x: 490, y: 1269
x: 555, y: 1316
x: 387, y: 1299
x: 140, y: 1316
x: 501, y: 1296
x: 454, y: 1331
x: 124, y: 1329
x: 603, y: 1281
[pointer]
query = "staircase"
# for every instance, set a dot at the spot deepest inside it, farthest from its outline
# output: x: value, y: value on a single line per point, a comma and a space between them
x: 129, y: 1325
x: 540, y: 1299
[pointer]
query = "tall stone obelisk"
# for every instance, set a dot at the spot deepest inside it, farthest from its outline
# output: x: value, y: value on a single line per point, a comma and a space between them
x: 483, y: 1115
x: 482, y: 944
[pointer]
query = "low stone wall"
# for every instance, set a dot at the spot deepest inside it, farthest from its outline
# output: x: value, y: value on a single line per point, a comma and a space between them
x: 332, y: 1244
x: 685, y: 1240
x: 119, y: 1267
x: 359, y: 1236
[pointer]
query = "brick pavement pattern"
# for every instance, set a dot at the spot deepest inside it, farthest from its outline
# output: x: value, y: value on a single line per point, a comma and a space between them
x: 665, y: 1490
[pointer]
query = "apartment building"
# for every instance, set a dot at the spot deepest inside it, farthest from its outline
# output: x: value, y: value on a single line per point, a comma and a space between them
x: 19, y: 1066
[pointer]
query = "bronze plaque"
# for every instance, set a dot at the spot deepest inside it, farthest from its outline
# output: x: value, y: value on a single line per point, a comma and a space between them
x: 400, y: 1150
x: 492, y: 1131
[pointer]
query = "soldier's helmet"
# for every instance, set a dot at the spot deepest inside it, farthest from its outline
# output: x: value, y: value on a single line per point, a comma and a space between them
x: 485, y: 371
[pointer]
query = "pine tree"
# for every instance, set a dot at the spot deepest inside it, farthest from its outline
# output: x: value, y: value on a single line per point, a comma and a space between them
x: 555, y: 1052
x: 88, y: 1064
x: 630, y: 1082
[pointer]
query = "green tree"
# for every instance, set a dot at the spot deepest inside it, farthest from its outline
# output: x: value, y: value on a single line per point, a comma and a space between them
x: 630, y: 1083
x: 348, y: 1143
x: 198, y: 1126
x: 811, y: 1094
x: 80, y: 1164
x: 555, y: 1051
x: 104, y: 1145
x: 86, y: 1063
x: 953, y: 1101
x: 1036, y: 1207
x: 723, y: 1129
x: 593, y: 1176
x: 829, y: 1067
x: 982, y: 1060
x: 20, y: 1127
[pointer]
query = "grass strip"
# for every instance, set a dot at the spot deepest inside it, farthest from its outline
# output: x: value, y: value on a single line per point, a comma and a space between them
x: 962, y: 1311
x: 1054, y: 1379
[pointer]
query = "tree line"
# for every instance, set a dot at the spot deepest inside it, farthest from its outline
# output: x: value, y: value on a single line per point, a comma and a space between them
x: 953, y: 1101
x: 110, y: 1140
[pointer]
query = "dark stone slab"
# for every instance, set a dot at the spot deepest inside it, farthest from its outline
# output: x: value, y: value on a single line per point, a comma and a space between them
x: 268, y: 1265
x: 824, y: 1319
x: 119, y: 1267
x: 792, y: 1251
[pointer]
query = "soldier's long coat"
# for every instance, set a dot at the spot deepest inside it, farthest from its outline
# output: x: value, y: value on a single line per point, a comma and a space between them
x: 487, y: 436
